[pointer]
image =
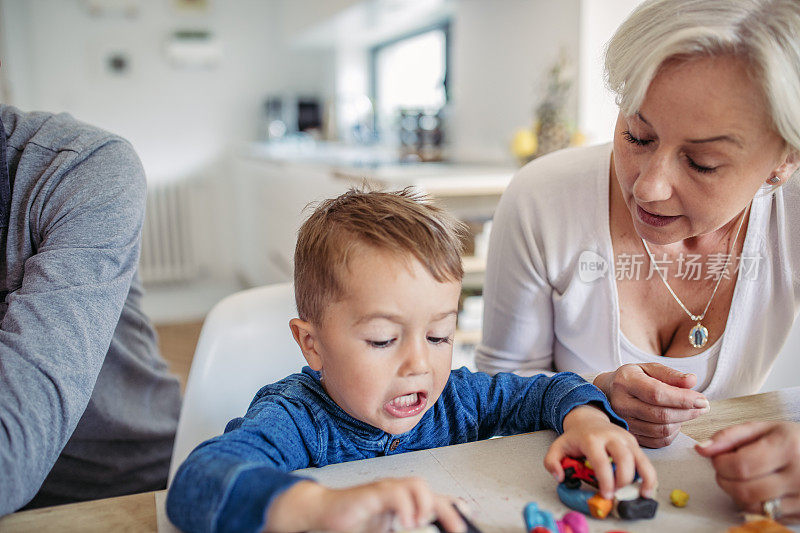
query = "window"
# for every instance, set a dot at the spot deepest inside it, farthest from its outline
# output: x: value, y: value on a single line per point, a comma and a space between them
x: 410, y: 73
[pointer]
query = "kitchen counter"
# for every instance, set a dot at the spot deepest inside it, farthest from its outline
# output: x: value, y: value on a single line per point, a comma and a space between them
x: 381, y: 166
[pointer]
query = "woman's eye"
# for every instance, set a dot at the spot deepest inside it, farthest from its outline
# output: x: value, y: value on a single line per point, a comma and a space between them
x: 381, y: 344
x: 635, y: 140
x: 439, y: 340
x: 700, y: 168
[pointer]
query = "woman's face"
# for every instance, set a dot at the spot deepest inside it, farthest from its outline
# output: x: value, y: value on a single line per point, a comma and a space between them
x: 697, y: 151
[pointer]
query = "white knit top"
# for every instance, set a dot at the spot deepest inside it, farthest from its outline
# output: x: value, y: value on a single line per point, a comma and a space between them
x: 541, y: 312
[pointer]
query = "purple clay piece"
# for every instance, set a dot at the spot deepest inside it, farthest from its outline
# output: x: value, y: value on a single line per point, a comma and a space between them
x: 576, y: 522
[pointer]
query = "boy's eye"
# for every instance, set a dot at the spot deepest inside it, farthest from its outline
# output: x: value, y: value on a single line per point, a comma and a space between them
x: 381, y: 344
x: 439, y: 340
x: 635, y: 140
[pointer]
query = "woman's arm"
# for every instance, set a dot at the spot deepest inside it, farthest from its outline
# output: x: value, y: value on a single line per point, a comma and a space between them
x: 518, y: 312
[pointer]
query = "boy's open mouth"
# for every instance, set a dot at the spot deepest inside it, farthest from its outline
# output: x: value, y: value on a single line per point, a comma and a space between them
x: 407, y: 405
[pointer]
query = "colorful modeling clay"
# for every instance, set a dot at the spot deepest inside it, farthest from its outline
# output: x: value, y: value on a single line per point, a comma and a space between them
x: 765, y: 525
x: 541, y: 521
x: 679, y: 498
x: 627, y: 504
x: 637, y: 508
x: 576, y: 470
x: 573, y: 522
x: 535, y: 518
x: 599, y: 507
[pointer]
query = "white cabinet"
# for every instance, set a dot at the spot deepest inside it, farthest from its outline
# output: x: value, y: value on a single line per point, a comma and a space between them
x: 270, y: 198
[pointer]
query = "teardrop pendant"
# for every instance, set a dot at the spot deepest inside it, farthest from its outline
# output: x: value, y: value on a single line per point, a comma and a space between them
x: 698, y: 336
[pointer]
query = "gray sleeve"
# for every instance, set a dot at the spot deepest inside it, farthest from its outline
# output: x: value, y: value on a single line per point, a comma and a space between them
x: 85, y: 221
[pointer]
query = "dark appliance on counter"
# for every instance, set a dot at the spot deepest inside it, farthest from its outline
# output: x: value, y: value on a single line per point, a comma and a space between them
x: 287, y: 115
x: 421, y: 134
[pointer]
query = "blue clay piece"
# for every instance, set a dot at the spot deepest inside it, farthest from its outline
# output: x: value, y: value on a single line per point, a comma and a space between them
x: 538, y: 517
x: 575, y: 499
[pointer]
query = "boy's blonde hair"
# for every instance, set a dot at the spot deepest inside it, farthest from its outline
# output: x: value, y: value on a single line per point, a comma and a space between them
x: 404, y: 222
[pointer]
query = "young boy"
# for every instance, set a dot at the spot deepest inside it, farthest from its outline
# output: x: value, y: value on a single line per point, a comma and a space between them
x: 377, y: 283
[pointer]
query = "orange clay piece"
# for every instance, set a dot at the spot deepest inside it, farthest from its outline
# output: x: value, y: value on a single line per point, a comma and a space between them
x: 599, y: 507
x: 760, y: 526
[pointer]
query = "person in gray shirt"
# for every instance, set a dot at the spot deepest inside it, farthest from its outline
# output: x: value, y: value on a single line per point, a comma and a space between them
x: 87, y: 407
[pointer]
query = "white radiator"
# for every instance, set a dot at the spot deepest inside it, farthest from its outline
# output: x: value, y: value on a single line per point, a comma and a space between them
x: 168, y: 253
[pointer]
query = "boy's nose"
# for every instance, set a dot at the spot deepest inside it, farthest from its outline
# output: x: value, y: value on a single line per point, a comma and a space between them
x: 415, y: 361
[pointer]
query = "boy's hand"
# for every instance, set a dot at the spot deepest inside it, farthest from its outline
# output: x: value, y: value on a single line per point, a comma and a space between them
x: 589, y: 432
x: 370, y: 507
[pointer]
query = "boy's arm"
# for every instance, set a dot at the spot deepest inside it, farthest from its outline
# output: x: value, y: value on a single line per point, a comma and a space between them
x: 576, y: 409
x: 508, y: 404
x: 239, y: 481
x: 228, y: 482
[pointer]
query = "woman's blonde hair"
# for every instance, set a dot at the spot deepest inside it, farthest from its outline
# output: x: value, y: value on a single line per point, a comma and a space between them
x: 766, y: 33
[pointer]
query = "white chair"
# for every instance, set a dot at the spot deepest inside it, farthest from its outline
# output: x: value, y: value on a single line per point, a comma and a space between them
x: 245, y: 344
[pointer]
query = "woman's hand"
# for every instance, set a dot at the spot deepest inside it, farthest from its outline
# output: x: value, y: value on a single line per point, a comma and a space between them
x: 757, y: 462
x: 654, y: 399
x: 370, y: 507
x: 589, y: 433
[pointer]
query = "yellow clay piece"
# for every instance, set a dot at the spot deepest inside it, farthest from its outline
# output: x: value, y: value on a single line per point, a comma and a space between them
x: 589, y: 465
x: 679, y: 498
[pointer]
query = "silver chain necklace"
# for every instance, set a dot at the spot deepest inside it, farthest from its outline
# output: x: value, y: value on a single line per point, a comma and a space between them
x: 698, y: 335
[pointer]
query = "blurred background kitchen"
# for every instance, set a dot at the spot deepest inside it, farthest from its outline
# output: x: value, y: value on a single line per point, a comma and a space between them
x: 244, y: 111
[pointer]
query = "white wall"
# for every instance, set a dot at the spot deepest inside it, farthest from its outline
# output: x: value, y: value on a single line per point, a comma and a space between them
x: 597, y: 112
x: 13, y: 52
x: 181, y: 121
x: 501, y: 53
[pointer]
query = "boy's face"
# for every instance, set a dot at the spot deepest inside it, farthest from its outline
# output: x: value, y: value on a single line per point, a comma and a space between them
x: 385, y: 349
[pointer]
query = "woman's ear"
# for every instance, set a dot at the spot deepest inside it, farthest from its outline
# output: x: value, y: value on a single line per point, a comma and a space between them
x: 305, y: 336
x: 789, y: 166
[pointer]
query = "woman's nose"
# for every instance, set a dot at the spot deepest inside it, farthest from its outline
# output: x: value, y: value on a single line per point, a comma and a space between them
x: 655, y: 180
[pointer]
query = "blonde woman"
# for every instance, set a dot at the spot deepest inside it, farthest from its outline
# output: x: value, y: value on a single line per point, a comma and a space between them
x: 667, y: 263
